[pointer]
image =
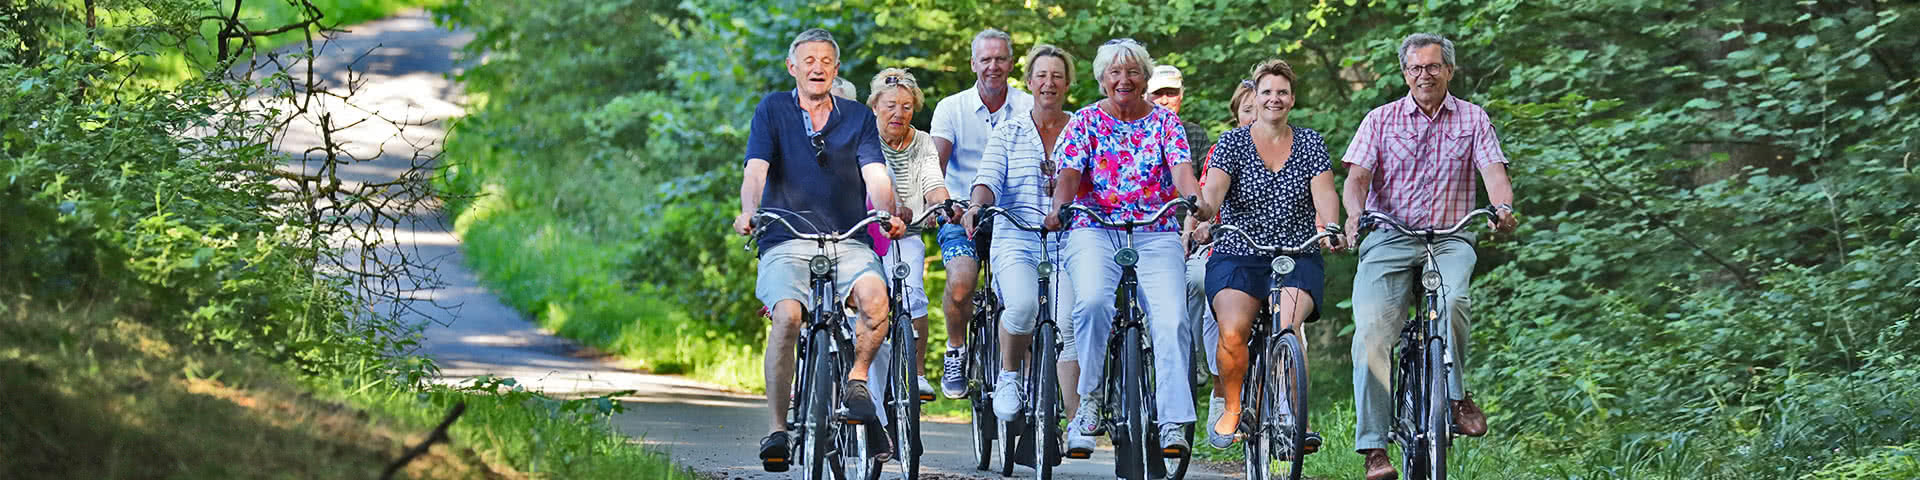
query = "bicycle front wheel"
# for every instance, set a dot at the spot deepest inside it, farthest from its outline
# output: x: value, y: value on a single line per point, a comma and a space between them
x: 1438, y: 423
x: 1133, y: 445
x: 1046, y: 403
x: 982, y: 364
x: 817, y: 394
x: 1289, y: 417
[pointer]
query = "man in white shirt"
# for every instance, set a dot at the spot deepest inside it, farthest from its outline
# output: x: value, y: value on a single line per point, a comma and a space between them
x: 962, y: 123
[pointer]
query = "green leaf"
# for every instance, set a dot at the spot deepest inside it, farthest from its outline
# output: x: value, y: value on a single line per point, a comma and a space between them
x: 1805, y: 41
x: 1731, y: 35
x: 1702, y: 104
x: 1714, y: 84
x: 1866, y: 32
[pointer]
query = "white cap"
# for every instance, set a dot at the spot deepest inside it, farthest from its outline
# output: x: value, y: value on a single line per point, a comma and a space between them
x: 1164, y: 76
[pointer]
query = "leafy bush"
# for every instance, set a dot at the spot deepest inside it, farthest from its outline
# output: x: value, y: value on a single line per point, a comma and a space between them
x: 114, y: 201
x: 1718, y: 198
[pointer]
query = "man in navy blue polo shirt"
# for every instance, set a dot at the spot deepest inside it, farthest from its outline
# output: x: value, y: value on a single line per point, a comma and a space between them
x: 818, y: 155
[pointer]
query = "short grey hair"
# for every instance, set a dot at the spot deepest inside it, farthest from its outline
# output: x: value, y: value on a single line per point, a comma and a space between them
x: 1421, y: 40
x: 810, y: 36
x: 1118, y: 50
x: 989, y: 34
x: 845, y: 89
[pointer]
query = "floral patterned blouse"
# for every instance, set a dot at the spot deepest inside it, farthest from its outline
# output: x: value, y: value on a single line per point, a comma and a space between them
x: 1126, y: 168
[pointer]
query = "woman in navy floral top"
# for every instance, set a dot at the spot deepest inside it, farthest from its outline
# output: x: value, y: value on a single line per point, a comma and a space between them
x: 1274, y: 181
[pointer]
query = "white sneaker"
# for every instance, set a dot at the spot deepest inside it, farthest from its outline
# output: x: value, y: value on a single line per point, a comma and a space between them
x: 953, y: 381
x: 1008, y: 397
x: 1173, y: 440
x: 1081, y: 430
x: 924, y: 388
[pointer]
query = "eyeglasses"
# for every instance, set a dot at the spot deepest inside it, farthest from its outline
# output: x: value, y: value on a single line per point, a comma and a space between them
x: 1247, y: 84
x: 1433, y: 69
x: 819, y: 147
x: 893, y: 80
x: 1124, y: 41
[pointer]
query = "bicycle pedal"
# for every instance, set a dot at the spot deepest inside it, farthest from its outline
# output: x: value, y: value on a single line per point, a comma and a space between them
x: 926, y: 397
x: 1079, y: 454
x: 774, y: 465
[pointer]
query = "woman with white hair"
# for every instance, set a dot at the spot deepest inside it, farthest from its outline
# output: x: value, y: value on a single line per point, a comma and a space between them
x: 917, y: 184
x: 1125, y: 158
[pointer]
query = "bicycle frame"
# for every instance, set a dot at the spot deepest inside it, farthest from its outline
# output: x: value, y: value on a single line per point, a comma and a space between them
x: 1423, y: 418
x: 1027, y: 446
x: 826, y: 321
x: 1129, y: 328
x: 1261, y: 443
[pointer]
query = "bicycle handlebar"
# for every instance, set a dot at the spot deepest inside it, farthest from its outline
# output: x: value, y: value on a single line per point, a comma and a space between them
x: 989, y: 211
x: 1371, y: 219
x: 765, y: 218
x: 1185, y: 204
x: 950, y: 207
x: 1333, y: 231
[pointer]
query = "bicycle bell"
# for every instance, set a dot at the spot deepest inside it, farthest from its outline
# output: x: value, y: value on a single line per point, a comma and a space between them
x: 1282, y: 265
x: 1126, y: 257
x: 819, y: 265
x: 1431, y: 280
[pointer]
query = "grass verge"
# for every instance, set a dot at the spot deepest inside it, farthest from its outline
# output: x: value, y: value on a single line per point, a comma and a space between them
x: 87, y: 392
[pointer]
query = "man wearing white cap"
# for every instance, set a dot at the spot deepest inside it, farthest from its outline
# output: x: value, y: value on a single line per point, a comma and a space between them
x: 1167, y: 89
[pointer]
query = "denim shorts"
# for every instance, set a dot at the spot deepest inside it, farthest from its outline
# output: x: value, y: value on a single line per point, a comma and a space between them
x: 1253, y: 275
x: 954, y: 243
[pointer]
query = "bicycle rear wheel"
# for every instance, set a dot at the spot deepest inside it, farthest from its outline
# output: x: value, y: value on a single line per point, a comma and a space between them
x: 906, y: 401
x: 1289, y: 417
x: 1437, y: 426
x: 816, y: 424
x: 1254, y: 404
x: 857, y: 460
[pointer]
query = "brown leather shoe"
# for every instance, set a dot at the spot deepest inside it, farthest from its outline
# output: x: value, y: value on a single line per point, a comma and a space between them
x: 1468, y: 419
x: 1379, y: 467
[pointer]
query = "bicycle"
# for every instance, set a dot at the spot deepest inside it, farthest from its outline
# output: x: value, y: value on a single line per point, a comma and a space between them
x: 826, y: 352
x: 1423, y: 420
x: 903, y: 396
x: 1273, y: 398
x: 983, y: 360
x: 1126, y: 381
x: 1033, y: 437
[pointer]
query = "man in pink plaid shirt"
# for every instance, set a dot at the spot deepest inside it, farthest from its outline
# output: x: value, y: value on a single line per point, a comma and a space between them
x: 1414, y: 159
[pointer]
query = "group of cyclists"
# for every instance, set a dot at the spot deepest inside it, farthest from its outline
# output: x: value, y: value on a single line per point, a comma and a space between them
x: 835, y: 163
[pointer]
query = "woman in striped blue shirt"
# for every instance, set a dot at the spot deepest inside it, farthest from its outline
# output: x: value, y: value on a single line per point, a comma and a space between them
x: 1016, y: 172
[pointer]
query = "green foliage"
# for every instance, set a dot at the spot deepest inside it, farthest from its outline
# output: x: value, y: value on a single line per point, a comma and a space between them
x: 114, y: 201
x: 1718, y: 198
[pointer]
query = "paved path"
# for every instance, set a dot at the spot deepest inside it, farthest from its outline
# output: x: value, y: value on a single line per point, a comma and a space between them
x: 404, y: 62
